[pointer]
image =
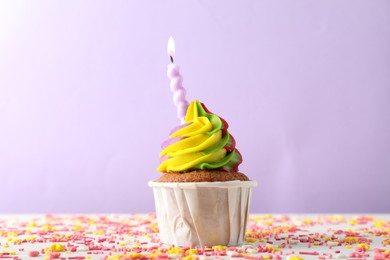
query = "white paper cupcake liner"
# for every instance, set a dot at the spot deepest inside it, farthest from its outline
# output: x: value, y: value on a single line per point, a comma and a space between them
x: 202, y: 213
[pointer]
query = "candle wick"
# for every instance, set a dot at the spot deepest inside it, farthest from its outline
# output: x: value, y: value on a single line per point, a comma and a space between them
x: 171, y: 59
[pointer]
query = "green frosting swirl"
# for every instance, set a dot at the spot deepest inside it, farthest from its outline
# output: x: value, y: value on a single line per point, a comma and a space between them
x: 203, y: 142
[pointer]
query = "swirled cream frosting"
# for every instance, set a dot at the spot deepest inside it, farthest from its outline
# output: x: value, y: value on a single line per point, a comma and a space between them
x: 203, y: 142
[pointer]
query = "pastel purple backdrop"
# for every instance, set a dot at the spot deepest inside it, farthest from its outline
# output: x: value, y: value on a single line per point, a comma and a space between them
x: 85, y: 101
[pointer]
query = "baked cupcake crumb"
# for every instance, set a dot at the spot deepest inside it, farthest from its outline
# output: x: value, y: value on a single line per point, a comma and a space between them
x: 202, y: 176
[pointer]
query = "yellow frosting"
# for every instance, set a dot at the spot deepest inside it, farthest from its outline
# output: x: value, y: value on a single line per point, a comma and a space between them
x: 203, y: 142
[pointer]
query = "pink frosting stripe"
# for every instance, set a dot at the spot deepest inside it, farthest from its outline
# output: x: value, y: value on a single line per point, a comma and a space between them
x: 171, y: 141
x: 163, y: 158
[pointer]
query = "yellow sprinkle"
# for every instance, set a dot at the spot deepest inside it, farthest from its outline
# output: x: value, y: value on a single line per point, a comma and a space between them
x: 99, y: 232
x: 175, y: 251
x: 266, y: 257
x: 294, y: 257
x: 363, y: 245
x: 135, y: 245
x: 272, y: 248
x: 190, y: 257
x: 192, y: 252
x: 31, y: 238
x: 77, y: 227
x: 57, y: 248
x: 250, y: 239
x: 46, y: 227
x: 32, y: 224
x: 136, y: 255
x: 353, y: 222
x: 379, y: 223
x: 337, y: 218
x: 348, y: 246
x: 351, y: 239
x: 219, y: 248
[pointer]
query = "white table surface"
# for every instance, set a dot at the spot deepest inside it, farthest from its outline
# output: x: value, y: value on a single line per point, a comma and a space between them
x: 120, y: 234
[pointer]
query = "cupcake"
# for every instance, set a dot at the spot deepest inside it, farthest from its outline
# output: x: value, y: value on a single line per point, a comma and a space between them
x: 201, y: 198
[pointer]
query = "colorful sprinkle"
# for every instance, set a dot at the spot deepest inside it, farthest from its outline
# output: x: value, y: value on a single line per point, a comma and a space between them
x: 136, y: 237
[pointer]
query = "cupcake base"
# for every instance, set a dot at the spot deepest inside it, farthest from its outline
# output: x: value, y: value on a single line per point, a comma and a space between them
x: 202, y: 213
x: 203, y: 176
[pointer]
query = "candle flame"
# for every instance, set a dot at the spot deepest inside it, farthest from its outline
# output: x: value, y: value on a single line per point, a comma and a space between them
x: 171, y: 46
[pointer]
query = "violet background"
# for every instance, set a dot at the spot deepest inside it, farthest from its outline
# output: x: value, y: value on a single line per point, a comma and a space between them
x: 85, y: 101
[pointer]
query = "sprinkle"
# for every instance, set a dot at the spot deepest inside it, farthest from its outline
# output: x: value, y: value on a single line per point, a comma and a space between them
x: 55, y: 255
x: 308, y: 253
x: 232, y: 253
x: 33, y: 253
x: 82, y: 248
x: 57, y: 248
x: 294, y: 257
x: 136, y: 237
x: 192, y: 252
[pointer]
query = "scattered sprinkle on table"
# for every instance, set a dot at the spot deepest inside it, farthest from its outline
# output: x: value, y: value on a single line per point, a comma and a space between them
x: 124, y: 237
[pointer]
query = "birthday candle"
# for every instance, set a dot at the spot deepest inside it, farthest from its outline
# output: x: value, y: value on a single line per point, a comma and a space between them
x: 176, y: 83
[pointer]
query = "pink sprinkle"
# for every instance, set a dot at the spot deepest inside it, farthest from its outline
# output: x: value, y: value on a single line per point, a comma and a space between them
x: 33, y: 253
x: 308, y: 253
x: 55, y: 255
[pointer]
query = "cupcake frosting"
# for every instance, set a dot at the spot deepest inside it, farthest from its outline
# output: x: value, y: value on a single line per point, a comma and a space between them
x: 203, y: 142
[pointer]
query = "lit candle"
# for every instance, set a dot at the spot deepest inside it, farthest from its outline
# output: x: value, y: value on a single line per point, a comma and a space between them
x: 176, y: 84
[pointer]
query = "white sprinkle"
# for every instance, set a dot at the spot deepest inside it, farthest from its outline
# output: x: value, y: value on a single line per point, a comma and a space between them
x: 231, y: 253
x: 332, y: 243
x: 251, y: 250
x: 341, y: 256
x: 82, y: 248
